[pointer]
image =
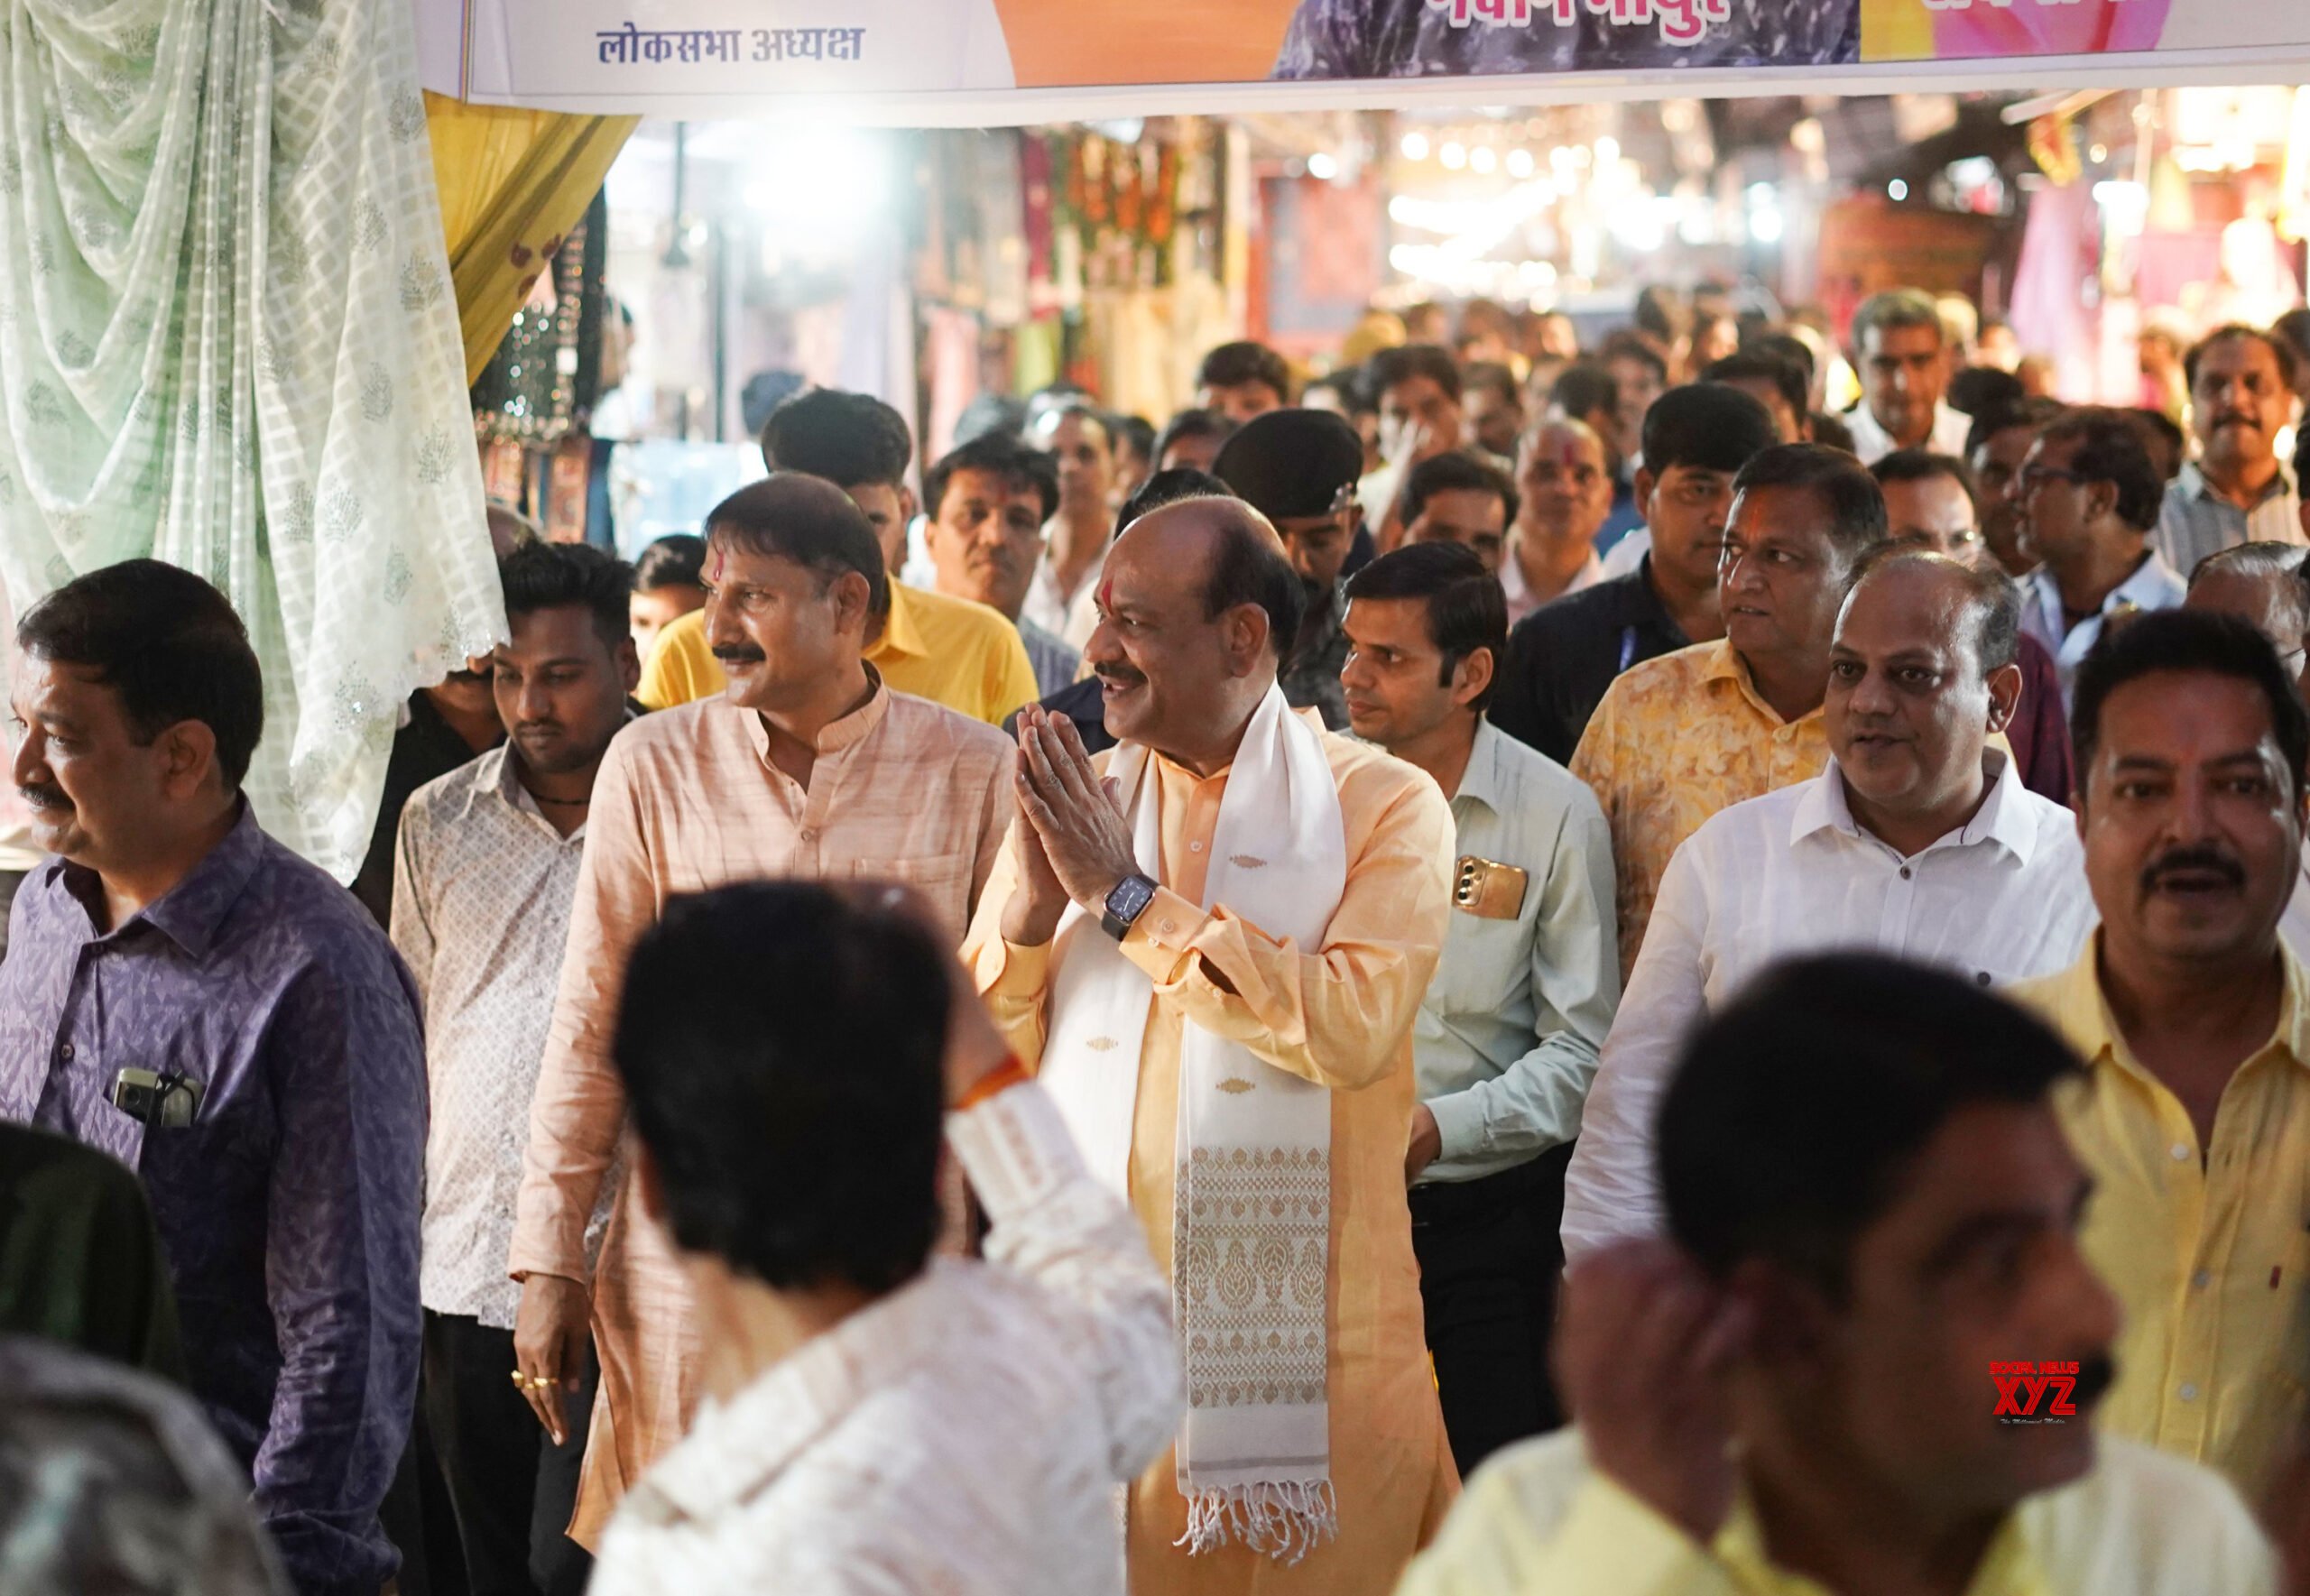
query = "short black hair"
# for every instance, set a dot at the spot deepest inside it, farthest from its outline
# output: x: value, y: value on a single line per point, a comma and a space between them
x: 1136, y: 433
x: 1992, y: 598
x: 1895, y: 309
x: 1244, y: 361
x: 1706, y: 427
x: 806, y: 518
x: 1494, y: 377
x: 1407, y: 361
x: 1769, y: 1149
x: 2110, y: 450
x: 1011, y: 459
x: 1191, y: 423
x: 1753, y: 365
x: 1856, y: 504
x: 1170, y: 487
x: 1625, y: 345
x: 1790, y: 348
x: 849, y: 438
x: 2035, y: 414
x: 1924, y: 465
x: 1453, y: 471
x: 990, y: 412
x: 1054, y: 414
x: 1661, y: 311
x: 1831, y: 432
x: 2198, y: 641
x: 678, y: 560
x: 2293, y: 330
x: 1353, y: 383
x: 168, y: 643
x: 1584, y: 387
x: 1980, y: 388
x: 796, y: 1142
x: 548, y: 576
x: 2278, y: 347
x: 1467, y: 610
x: 2157, y: 424
x: 1249, y: 566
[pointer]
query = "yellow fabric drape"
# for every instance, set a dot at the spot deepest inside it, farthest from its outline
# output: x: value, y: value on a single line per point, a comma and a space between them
x: 513, y: 184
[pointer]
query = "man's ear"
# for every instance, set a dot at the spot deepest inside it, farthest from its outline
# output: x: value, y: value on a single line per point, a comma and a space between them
x: 2004, y: 697
x: 1247, y: 632
x: 188, y: 750
x: 628, y: 659
x: 1472, y: 676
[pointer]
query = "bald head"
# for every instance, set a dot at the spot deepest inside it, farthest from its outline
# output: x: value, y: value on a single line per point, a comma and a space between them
x: 1981, y: 609
x: 1199, y: 603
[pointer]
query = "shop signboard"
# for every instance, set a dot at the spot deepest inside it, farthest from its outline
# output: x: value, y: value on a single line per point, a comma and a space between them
x: 1019, y: 60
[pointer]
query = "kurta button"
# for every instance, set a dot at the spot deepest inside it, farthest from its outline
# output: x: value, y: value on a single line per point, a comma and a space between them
x: 65, y: 1053
x: 1904, y: 873
x: 2181, y: 1151
x: 2201, y: 1280
x: 1980, y: 978
x: 2189, y: 1393
x: 809, y: 835
x: 1195, y: 847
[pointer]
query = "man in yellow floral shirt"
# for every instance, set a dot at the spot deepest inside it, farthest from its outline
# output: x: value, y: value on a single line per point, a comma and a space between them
x: 1682, y: 736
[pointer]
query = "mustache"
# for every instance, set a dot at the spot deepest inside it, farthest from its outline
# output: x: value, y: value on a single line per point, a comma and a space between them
x: 538, y: 728
x: 2229, y: 418
x: 1122, y: 675
x: 739, y: 653
x: 2175, y: 860
x: 42, y: 796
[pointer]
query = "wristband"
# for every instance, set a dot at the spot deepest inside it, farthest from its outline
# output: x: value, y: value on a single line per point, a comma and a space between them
x: 1010, y: 1072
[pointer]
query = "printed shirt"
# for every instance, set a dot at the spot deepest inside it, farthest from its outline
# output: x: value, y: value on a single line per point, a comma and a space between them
x: 2001, y: 897
x: 1340, y: 1015
x: 949, y: 650
x: 2154, y: 585
x: 481, y: 911
x: 287, y: 1209
x: 1562, y: 658
x: 965, y: 1435
x: 688, y: 799
x: 2207, y: 1247
x: 1507, y: 1037
x: 2195, y: 521
x: 1538, y: 1517
x: 1674, y: 740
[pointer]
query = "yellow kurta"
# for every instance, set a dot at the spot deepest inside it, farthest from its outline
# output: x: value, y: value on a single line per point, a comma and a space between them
x: 1340, y: 1015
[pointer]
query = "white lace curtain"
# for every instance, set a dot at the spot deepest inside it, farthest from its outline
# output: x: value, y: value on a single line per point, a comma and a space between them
x: 227, y: 339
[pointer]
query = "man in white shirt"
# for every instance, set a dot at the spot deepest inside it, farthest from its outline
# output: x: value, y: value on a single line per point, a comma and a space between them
x: 483, y: 879
x: 1918, y: 841
x: 1903, y: 357
x: 1059, y: 598
x: 876, y: 1420
x: 987, y: 502
x: 2088, y: 497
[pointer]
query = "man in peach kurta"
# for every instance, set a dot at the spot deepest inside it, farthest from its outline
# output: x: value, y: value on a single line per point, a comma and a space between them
x: 1183, y: 651
x: 808, y: 766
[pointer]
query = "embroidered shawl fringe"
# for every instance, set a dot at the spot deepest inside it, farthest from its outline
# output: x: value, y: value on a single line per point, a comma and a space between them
x: 1285, y: 1520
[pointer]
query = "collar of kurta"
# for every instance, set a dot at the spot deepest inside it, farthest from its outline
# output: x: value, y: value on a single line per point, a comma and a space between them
x: 2009, y: 1566
x: 189, y: 913
x: 1722, y: 664
x: 2082, y: 1013
x: 836, y: 736
x: 736, y: 1449
x: 901, y: 629
x: 2003, y: 819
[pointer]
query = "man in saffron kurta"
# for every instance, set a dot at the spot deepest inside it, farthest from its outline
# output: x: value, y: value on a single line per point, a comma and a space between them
x: 1190, y: 600
x: 809, y: 766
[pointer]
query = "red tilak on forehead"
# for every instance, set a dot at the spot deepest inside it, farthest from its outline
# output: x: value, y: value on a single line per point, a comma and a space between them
x: 1105, y: 592
x: 718, y: 559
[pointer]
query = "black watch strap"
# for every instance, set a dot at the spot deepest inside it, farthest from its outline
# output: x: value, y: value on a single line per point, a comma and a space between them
x: 1125, y: 904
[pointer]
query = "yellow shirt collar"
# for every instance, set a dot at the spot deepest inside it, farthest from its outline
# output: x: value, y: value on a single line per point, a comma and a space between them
x: 901, y: 631
x: 2008, y: 1568
x: 2082, y: 1014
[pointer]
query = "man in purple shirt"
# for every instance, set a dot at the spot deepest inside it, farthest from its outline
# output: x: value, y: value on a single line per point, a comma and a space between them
x: 186, y: 994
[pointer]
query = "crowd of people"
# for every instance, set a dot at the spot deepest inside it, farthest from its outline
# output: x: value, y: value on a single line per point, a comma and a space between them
x: 1129, y: 1007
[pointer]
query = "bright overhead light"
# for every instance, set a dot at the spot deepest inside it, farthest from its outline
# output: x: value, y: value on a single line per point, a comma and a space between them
x: 1483, y: 158
x: 1519, y: 162
x: 1765, y: 226
x: 1608, y: 150
x: 1415, y: 146
x: 1454, y: 155
x: 1898, y: 189
x: 1321, y: 166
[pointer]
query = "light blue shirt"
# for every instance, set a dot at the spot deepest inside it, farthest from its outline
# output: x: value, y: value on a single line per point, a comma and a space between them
x: 2154, y: 585
x: 1506, y: 1042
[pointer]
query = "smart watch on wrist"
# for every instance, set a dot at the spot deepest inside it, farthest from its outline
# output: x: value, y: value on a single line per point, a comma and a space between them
x: 1125, y: 904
